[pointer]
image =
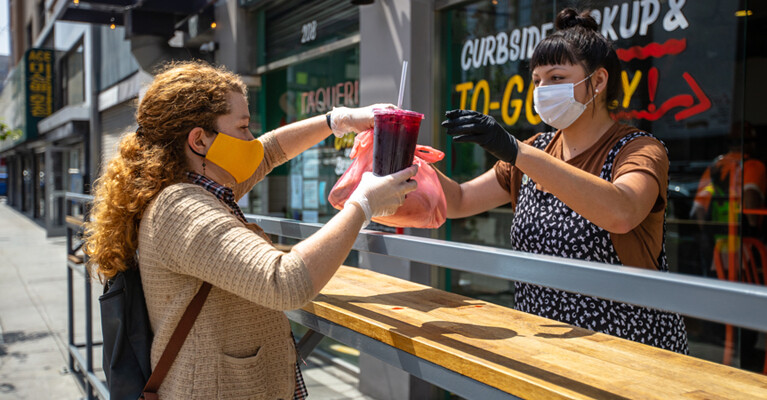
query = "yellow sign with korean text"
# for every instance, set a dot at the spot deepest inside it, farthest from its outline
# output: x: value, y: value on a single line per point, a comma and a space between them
x: 39, y: 66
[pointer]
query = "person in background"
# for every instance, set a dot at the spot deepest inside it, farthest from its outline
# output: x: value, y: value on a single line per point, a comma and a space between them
x: 166, y: 204
x: 593, y: 189
x: 725, y: 181
x: 734, y: 179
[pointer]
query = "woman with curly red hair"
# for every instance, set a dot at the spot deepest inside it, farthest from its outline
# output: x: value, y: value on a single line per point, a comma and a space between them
x: 166, y: 204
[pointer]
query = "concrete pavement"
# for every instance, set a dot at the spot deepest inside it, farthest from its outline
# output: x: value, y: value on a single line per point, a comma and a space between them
x: 33, y: 312
x: 33, y: 321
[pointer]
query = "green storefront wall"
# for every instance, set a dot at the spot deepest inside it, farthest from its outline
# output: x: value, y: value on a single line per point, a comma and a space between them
x: 27, y: 97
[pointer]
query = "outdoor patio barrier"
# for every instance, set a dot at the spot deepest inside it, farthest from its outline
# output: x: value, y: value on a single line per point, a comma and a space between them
x: 483, y: 351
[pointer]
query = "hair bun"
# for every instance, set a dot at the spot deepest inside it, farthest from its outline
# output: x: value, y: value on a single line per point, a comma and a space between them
x: 569, y: 18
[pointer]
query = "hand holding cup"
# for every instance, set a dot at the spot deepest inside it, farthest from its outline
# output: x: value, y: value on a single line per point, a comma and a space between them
x: 344, y: 119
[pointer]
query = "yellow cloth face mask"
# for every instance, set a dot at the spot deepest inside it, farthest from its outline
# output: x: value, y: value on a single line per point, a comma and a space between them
x: 238, y: 157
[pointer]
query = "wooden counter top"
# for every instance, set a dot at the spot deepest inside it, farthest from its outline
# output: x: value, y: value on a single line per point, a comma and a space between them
x: 525, y: 355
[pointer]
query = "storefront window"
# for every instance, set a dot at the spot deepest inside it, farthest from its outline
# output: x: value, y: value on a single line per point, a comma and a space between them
x: 72, y: 82
x: 301, y: 91
x: 120, y: 63
x: 3, y: 177
x: 39, y: 183
x: 28, y: 179
x: 689, y: 76
x: 73, y: 179
x: 307, y: 58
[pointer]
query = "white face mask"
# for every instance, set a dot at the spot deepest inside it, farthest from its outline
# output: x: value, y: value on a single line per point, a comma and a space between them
x: 556, y: 104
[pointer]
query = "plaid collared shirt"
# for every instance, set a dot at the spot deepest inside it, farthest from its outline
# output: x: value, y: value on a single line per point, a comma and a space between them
x: 223, y: 193
x: 226, y: 195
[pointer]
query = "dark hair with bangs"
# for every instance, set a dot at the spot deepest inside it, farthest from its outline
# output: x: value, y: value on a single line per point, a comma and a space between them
x: 577, y: 41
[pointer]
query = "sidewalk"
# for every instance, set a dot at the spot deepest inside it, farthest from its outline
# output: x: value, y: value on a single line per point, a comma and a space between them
x: 33, y: 321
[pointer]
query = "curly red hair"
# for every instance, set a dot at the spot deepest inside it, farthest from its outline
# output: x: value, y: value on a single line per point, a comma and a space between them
x: 183, y: 95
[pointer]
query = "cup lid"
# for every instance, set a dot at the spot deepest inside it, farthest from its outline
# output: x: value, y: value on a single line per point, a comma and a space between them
x: 396, y: 111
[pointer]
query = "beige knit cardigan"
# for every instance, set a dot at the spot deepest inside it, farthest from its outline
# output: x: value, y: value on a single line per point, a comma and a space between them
x: 240, y: 346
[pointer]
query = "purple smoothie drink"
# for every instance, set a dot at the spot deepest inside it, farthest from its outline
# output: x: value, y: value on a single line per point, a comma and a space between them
x: 395, y: 134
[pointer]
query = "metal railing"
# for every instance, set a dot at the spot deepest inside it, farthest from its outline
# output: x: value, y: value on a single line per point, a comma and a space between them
x: 80, y: 354
x: 704, y: 298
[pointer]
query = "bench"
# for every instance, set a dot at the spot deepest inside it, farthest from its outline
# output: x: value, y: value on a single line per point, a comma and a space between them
x: 517, y: 354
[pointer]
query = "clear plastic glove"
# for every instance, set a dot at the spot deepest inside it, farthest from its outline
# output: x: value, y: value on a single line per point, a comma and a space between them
x: 379, y: 196
x: 471, y: 126
x: 344, y: 119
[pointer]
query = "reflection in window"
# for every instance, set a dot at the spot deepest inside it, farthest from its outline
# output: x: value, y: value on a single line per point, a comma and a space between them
x: 303, y: 90
x: 40, y: 15
x: 72, y: 77
x: 119, y: 62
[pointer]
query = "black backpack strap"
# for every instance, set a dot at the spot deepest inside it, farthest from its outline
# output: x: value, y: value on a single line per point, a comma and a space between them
x: 174, y: 344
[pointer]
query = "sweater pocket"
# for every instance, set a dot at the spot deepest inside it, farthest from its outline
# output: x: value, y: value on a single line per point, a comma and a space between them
x: 242, y: 377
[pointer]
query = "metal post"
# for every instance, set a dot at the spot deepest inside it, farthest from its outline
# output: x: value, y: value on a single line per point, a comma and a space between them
x: 88, y: 313
x: 308, y: 342
x: 93, y: 144
x: 93, y: 161
x: 70, y: 303
x: 88, y: 333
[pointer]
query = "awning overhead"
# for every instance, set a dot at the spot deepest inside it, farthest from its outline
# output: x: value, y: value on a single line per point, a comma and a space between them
x: 140, y: 17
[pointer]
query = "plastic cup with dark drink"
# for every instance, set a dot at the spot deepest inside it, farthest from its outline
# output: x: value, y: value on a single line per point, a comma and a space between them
x: 395, y: 134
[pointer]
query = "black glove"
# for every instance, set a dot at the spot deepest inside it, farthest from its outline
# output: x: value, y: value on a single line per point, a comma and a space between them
x: 471, y: 126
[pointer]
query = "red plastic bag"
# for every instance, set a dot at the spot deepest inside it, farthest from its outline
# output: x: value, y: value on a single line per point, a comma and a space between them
x: 423, y: 208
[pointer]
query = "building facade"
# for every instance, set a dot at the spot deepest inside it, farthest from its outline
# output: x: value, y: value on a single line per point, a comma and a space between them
x: 690, y: 76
